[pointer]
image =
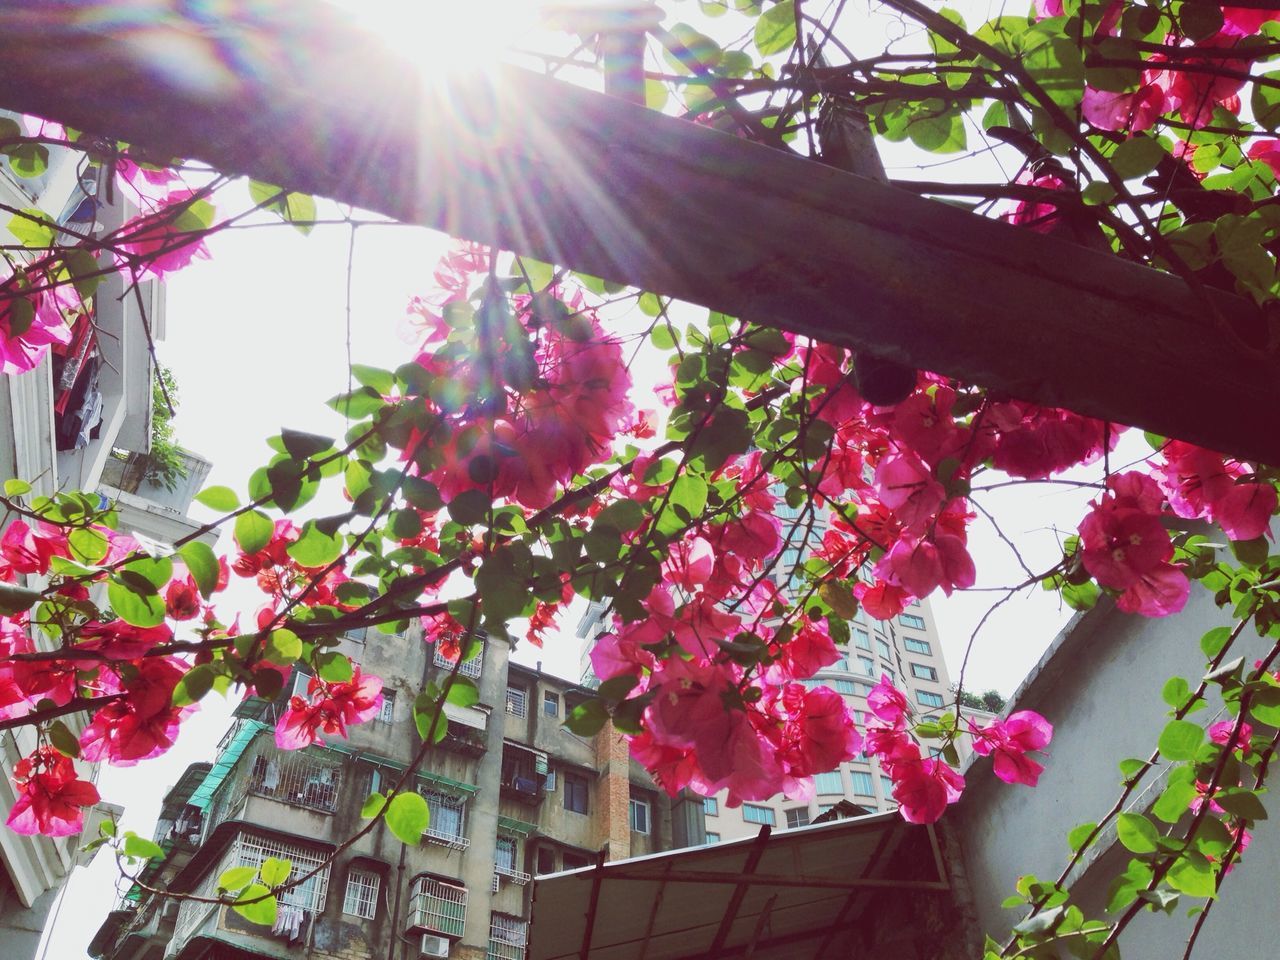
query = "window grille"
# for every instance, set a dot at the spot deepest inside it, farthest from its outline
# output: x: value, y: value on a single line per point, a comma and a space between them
x: 448, y: 816
x: 923, y: 671
x: 505, y: 855
x: 517, y: 701
x: 469, y: 668
x: 753, y: 813
x: 438, y: 905
x: 828, y: 782
x: 386, y: 712
x: 639, y: 815
x: 551, y: 704
x: 508, y: 937
x: 301, y: 778
x: 798, y: 817
x: 361, y: 898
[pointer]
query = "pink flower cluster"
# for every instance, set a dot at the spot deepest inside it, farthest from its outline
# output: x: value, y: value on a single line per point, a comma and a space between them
x: 328, y: 708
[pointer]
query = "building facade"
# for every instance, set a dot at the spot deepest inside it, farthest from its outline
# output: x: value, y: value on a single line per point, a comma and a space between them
x: 78, y: 421
x: 511, y: 791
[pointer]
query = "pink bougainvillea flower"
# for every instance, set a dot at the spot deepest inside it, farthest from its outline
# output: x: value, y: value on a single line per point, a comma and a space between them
x: 808, y: 651
x: 1036, y: 442
x: 1009, y: 741
x: 120, y: 640
x: 51, y: 798
x: 157, y: 240
x: 882, y: 600
x: 34, y: 314
x: 142, y: 725
x: 1268, y: 152
x: 1126, y: 548
x: 820, y: 730
x: 921, y: 566
x: 1133, y: 111
x: 27, y: 551
x: 924, y: 788
x: 1201, y: 483
x: 1220, y: 733
x: 182, y: 599
x: 328, y: 708
x: 904, y: 484
x: 887, y: 702
x: 1246, y: 21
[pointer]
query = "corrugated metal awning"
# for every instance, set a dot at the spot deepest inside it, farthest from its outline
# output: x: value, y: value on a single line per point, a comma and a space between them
x: 792, y: 894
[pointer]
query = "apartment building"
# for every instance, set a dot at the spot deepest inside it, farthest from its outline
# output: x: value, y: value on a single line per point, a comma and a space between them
x: 80, y: 420
x: 511, y: 791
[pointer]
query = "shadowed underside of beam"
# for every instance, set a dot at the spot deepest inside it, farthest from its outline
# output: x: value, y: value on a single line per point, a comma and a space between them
x: 608, y: 188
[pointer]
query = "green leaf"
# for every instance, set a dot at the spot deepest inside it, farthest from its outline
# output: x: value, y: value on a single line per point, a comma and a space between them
x: 408, y: 817
x: 263, y: 912
x: 1176, y: 691
x: 296, y: 208
x: 194, y: 685
x: 1079, y: 834
x: 1242, y: 803
x: 334, y: 668
x: 27, y: 160
x: 236, y: 879
x: 776, y: 28
x: 304, y: 445
x: 469, y: 508
x: 1213, y: 642
x: 373, y: 806
x: 1266, y: 102
x: 1180, y: 740
x: 687, y: 501
x: 430, y: 720
x: 16, y: 488
x: 1137, y: 833
x: 1137, y: 156
x: 88, y: 544
x: 463, y: 692
x: 314, y: 548
x: 1193, y: 875
x: 63, y: 740
x: 275, y: 871
x: 1054, y: 61
x: 253, y: 531
x: 587, y: 718
x: 284, y: 647
x: 202, y: 564
x: 221, y: 499
x: 1177, y: 796
x: 32, y: 228
x: 142, y: 848
x: 132, y: 606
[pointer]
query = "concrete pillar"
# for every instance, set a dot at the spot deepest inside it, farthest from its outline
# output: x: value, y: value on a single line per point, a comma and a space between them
x: 612, y: 815
x: 482, y: 817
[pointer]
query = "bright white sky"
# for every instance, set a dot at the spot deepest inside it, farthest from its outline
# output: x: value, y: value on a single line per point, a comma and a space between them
x: 257, y: 340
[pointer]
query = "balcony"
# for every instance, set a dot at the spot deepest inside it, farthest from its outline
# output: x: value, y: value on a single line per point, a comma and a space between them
x: 300, y: 779
x: 437, y: 906
x: 467, y: 726
x: 524, y: 772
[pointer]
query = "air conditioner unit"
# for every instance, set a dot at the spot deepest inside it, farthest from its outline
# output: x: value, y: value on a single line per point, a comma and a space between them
x: 433, y: 946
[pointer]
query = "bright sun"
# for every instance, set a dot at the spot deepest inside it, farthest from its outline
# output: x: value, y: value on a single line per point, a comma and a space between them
x: 447, y: 36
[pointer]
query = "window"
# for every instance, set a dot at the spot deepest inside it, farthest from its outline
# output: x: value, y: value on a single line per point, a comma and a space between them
x: 304, y: 778
x: 361, y: 898
x: 845, y: 686
x: 551, y: 704
x: 886, y: 784
x: 862, y: 639
x: 550, y: 783
x: 883, y: 648
x: 639, y: 815
x: 470, y: 668
x: 711, y: 806
x: 713, y: 837
x: 546, y: 861
x: 867, y: 666
x: 864, y: 688
x: 859, y: 717
x: 928, y: 698
x: 575, y: 793
x: 923, y: 672
x: 438, y: 905
x: 388, y: 709
x: 911, y: 620
x: 754, y: 813
x: 504, y: 855
x: 517, y: 701
x: 828, y: 782
x: 253, y: 851
x: 797, y: 817
x: 448, y: 818
x: 574, y: 861
x: 918, y: 646
x: 508, y: 937
x: 862, y: 783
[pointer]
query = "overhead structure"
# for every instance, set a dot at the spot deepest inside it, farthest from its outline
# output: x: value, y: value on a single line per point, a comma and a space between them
x: 291, y: 95
x: 803, y: 894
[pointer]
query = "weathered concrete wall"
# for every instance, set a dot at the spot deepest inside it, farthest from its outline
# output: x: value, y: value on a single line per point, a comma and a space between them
x: 1099, y: 685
